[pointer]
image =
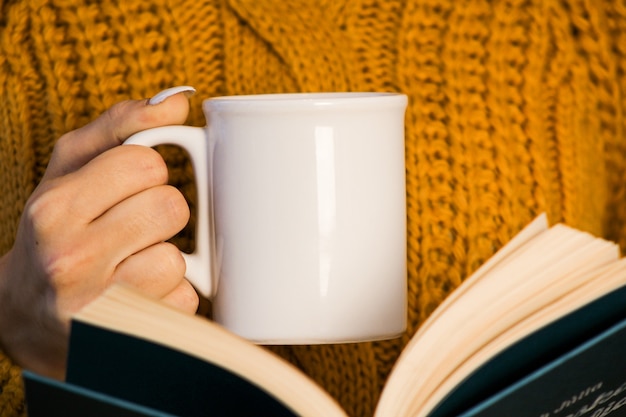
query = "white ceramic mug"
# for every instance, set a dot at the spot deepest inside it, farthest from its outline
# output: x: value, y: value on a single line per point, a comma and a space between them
x: 301, y: 230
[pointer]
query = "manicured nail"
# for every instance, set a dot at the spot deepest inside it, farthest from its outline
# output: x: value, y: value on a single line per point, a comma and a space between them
x: 160, y: 97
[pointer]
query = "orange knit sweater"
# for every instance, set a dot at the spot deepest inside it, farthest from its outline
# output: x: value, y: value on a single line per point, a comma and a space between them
x: 516, y: 107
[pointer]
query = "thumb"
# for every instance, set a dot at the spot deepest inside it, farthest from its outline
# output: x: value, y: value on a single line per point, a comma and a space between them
x: 113, y: 127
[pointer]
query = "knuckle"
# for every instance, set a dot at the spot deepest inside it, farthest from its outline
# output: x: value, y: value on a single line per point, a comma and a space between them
x: 151, y: 165
x: 176, y: 205
x: 64, y: 265
x: 117, y: 111
x: 59, y: 267
x: 165, y: 211
x: 114, y: 117
x: 45, y: 211
x: 168, y: 210
x: 121, y: 120
x: 172, y: 261
x: 64, y: 142
x: 58, y: 254
x: 187, y: 297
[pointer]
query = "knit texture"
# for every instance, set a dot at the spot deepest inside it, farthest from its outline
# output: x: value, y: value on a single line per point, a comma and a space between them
x: 515, y: 107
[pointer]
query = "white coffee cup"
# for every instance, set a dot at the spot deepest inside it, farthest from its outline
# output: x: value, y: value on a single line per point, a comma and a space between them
x: 301, y: 229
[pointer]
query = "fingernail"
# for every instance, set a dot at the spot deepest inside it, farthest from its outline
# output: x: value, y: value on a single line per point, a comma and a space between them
x: 161, y: 96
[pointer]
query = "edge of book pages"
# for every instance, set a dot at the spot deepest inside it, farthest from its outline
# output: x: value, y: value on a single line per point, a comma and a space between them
x: 504, y: 300
x: 197, y: 336
x: 541, y: 275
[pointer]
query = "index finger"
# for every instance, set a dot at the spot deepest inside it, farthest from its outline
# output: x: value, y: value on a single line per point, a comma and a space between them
x: 76, y: 148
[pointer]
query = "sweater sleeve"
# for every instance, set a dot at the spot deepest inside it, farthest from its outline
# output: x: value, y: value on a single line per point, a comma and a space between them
x: 16, y: 168
x: 11, y: 389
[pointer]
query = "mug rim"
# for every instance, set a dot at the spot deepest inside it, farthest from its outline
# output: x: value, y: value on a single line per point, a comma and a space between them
x: 271, y: 101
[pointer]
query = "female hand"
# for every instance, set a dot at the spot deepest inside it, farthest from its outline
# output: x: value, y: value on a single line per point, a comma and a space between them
x: 101, y: 214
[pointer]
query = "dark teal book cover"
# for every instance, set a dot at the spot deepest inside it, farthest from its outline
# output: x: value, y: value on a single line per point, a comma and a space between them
x: 589, y: 381
x: 48, y: 397
x: 155, y: 376
x: 583, y: 353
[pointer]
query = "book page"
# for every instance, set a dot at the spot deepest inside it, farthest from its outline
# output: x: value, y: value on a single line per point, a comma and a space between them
x: 537, y: 226
x: 123, y: 310
x: 513, y: 286
x: 594, y: 285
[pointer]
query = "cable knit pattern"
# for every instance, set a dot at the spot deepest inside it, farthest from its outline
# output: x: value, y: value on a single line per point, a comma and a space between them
x: 516, y: 107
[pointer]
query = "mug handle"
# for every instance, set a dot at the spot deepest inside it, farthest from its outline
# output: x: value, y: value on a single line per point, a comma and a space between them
x: 194, y: 141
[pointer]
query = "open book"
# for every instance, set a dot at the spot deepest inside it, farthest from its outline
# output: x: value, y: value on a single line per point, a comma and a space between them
x: 539, y: 330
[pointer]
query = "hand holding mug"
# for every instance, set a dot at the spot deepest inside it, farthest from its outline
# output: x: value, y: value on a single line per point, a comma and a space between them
x: 101, y: 214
